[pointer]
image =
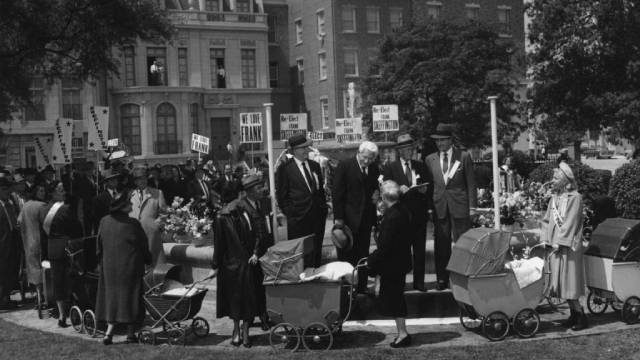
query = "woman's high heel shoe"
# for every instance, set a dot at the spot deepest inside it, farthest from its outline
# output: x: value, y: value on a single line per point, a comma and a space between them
x: 235, y: 342
x: 246, y: 342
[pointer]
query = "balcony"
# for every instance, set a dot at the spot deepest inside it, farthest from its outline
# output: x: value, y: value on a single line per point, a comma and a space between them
x: 210, y: 18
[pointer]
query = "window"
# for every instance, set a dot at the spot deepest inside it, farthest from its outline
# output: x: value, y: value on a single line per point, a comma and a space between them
x: 35, y: 110
x: 350, y: 62
x: 472, y: 11
x: 273, y: 74
x: 348, y: 19
x: 129, y: 66
x: 322, y: 65
x: 218, y: 73
x: 320, y: 16
x: 212, y: 5
x: 272, y: 22
x: 433, y: 10
x: 373, y: 20
x: 156, y: 63
x: 324, y: 112
x: 243, y: 6
x: 298, y: 31
x: 71, y: 101
x: 300, y: 65
x: 130, y: 128
x: 166, y: 130
x: 504, y: 20
x: 395, y: 18
x: 183, y: 71
x: 248, y: 63
x: 193, y: 115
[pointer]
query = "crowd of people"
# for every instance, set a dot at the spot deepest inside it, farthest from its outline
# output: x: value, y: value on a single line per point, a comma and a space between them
x: 388, y: 203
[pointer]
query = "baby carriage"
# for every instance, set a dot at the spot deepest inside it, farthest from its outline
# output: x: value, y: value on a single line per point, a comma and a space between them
x: 170, y: 303
x: 612, y: 267
x: 489, y: 296
x: 306, y: 313
x: 84, y: 284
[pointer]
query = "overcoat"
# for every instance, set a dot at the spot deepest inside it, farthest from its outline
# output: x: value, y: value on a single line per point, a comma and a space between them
x: 145, y: 208
x: 123, y: 250
x: 30, y: 227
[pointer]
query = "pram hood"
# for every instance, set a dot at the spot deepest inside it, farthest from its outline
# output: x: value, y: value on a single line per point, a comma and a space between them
x: 164, y: 277
x: 479, y: 251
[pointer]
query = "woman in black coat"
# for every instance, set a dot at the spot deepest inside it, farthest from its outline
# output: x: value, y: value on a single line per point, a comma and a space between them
x: 60, y: 225
x: 392, y: 260
x: 124, y: 251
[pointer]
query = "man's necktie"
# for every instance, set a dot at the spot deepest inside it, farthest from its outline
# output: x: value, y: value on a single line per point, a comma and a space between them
x: 310, y: 181
x: 205, y: 189
x: 445, y: 163
x: 407, y: 172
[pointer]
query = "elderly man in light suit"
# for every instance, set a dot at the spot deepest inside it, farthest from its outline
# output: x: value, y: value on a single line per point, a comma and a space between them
x: 146, y: 203
x: 454, y: 196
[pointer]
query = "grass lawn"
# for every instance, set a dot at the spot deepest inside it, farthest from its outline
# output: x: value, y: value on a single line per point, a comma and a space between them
x: 17, y: 342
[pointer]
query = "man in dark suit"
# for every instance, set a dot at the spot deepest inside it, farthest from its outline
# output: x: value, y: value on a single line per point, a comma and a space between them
x: 454, y: 196
x: 355, y: 194
x: 408, y: 173
x: 300, y: 195
x: 198, y: 189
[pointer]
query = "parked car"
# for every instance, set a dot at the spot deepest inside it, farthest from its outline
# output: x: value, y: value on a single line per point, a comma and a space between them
x: 605, y: 154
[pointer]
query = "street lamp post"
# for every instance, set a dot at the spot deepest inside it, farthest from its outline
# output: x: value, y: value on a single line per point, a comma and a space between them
x: 272, y: 182
x: 496, y: 169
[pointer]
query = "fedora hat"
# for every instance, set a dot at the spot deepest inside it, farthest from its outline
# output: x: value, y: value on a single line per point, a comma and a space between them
x: 443, y: 131
x: 110, y: 174
x: 250, y: 181
x: 404, y: 140
x: 299, y: 140
x: 342, y: 237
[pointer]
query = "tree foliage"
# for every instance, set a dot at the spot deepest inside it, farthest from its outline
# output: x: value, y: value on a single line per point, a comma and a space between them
x: 56, y: 38
x: 585, y: 65
x: 443, y: 73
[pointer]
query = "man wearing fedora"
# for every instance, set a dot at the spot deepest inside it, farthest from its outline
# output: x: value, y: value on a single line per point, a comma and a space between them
x: 454, y: 196
x: 300, y: 195
x: 408, y: 174
x: 146, y: 203
x: 355, y: 194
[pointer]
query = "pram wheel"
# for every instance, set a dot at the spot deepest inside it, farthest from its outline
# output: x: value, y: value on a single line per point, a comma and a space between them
x: 146, y: 336
x: 176, y: 336
x: 317, y: 336
x: 200, y: 327
x: 75, y: 317
x: 596, y: 304
x: 284, y: 336
x: 526, y: 323
x: 616, y: 305
x: 495, y: 326
x: 631, y: 310
x: 468, y: 322
x: 89, y: 322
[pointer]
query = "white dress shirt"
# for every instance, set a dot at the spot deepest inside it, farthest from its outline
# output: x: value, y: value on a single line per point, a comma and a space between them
x: 311, y: 173
x: 449, y: 155
x: 413, y: 172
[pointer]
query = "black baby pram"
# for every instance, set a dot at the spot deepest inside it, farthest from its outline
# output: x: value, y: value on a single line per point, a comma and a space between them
x: 171, y: 304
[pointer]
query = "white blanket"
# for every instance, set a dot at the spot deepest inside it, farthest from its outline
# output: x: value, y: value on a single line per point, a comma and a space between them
x: 185, y: 291
x: 527, y: 271
x: 332, y: 271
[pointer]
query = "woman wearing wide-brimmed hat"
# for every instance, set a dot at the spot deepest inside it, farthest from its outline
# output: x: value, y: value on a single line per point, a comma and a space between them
x: 124, y: 251
x: 563, y: 231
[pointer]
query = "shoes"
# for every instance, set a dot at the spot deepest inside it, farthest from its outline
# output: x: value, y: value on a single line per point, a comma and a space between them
x: 131, y: 339
x: 246, y: 342
x: 62, y: 323
x: 108, y: 340
x: 402, y: 343
x: 441, y: 285
x: 236, y: 343
x: 571, y: 320
x: 581, y: 322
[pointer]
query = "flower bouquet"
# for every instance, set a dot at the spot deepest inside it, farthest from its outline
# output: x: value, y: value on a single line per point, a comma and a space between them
x: 188, y: 223
x: 518, y: 209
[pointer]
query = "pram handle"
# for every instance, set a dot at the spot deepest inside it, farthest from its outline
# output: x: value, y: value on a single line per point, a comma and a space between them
x: 362, y: 262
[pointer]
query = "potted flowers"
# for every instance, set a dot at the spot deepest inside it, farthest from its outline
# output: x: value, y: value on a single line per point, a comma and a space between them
x: 189, y: 223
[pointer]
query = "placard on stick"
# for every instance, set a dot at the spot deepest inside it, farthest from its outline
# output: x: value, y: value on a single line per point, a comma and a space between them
x: 349, y: 130
x: 200, y: 143
x: 385, y: 118
x: 251, y: 127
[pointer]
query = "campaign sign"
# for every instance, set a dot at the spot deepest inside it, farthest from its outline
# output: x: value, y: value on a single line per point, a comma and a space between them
x: 385, y: 118
x: 112, y: 142
x: 292, y: 124
x: 251, y: 127
x: 200, y: 143
x: 349, y: 130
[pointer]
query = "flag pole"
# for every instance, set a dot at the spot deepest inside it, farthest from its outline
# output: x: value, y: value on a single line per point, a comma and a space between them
x: 272, y: 181
x: 496, y: 170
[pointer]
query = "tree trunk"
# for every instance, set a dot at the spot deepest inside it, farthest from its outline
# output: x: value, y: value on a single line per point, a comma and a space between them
x: 576, y: 151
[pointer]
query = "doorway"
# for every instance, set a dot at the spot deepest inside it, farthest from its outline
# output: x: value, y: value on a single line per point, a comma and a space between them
x: 220, y: 137
x: 30, y: 157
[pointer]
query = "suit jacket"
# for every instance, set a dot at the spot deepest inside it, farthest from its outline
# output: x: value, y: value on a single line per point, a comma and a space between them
x: 101, y: 205
x: 393, y: 253
x: 292, y: 193
x: 417, y: 202
x: 459, y: 193
x: 195, y: 191
x: 352, y: 192
x: 146, y: 210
